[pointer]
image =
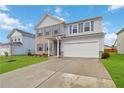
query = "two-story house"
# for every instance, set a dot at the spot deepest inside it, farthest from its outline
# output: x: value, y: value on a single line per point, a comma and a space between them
x: 21, y: 42
x: 83, y: 38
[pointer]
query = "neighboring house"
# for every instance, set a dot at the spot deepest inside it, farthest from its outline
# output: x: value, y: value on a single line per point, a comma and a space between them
x: 109, y: 48
x: 84, y: 38
x: 20, y: 43
x: 4, y: 48
x: 120, y: 41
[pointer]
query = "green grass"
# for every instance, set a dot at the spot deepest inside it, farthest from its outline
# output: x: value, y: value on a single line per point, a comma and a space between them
x: 21, y: 61
x: 115, y: 66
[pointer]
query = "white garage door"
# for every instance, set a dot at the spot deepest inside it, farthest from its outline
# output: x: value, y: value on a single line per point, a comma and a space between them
x: 81, y: 49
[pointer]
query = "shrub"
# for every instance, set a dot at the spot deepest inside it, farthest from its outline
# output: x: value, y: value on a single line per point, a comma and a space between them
x: 29, y: 52
x: 105, y: 55
x: 45, y: 55
x: 6, y: 53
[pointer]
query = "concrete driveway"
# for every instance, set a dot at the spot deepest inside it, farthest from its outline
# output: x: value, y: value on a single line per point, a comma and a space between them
x: 64, y: 72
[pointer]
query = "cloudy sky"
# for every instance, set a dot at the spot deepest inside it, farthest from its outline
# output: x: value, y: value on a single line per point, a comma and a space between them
x: 26, y: 17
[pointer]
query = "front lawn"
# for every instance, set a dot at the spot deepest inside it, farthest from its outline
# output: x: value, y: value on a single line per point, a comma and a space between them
x: 18, y: 62
x: 115, y: 66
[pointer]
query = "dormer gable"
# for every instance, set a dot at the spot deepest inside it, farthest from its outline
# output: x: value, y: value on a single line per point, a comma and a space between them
x: 17, y: 32
x: 14, y: 33
x: 48, y: 20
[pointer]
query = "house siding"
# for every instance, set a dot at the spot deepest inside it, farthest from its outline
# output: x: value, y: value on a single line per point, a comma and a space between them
x: 17, y: 35
x: 42, y: 40
x: 28, y: 43
x: 120, y: 43
x: 97, y: 28
x: 48, y: 22
x: 95, y: 38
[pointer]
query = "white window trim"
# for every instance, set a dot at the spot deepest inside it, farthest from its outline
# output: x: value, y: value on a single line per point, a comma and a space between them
x: 68, y: 30
x: 93, y: 26
x: 84, y: 26
x: 72, y: 29
x: 78, y: 28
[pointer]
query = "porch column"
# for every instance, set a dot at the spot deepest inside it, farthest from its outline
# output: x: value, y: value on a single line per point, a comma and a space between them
x: 57, y: 47
x: 48, y: 48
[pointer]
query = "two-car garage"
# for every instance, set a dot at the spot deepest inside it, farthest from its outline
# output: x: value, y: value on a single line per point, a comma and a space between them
x: 89, y: 49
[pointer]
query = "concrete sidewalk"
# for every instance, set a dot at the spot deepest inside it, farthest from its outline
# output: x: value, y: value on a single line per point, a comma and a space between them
x: 59, y: 73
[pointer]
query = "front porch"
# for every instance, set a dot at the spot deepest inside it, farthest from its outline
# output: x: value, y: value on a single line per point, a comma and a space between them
x: 56, y: 46
x: 51, y: 46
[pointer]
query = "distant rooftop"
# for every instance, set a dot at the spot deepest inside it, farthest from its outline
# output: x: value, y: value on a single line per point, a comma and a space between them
x: 120, y: 31
x: 98, y: 17
x: 22, y: 32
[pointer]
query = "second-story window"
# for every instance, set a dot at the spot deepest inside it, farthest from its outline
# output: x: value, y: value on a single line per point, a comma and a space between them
x: 47, y: 33
x: 87, y: 26
x: 75, y: 28
x: 70, y: 29
x: 11, y: 40
x: 92, y: 25
x: 80, y: 27
x: 40, y: 32
x: 18, y: 39
x: 55, y: 29
x: 55, y: 32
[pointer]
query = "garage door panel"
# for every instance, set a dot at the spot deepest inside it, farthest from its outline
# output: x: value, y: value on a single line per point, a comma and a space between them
x: 81, y: 49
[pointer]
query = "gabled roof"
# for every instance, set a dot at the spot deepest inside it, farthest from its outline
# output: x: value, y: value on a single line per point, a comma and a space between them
x: 22, y: 32
x: 107, y: 46
x: 46, y: 15
x: 120, y: 31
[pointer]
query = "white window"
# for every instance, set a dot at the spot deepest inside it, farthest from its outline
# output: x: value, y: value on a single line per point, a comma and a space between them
x: 56, y: 32
x: 80, y: 27
x: 87, y: 26
x: 92, y: 25
x: 40, y: 32
x: 75, y: 28
x: 11, y: 40
x: 15, y: 39
x: 70, y: 29
x: 55, y: 29
x: 19, y: 39
x: 47, y: 33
